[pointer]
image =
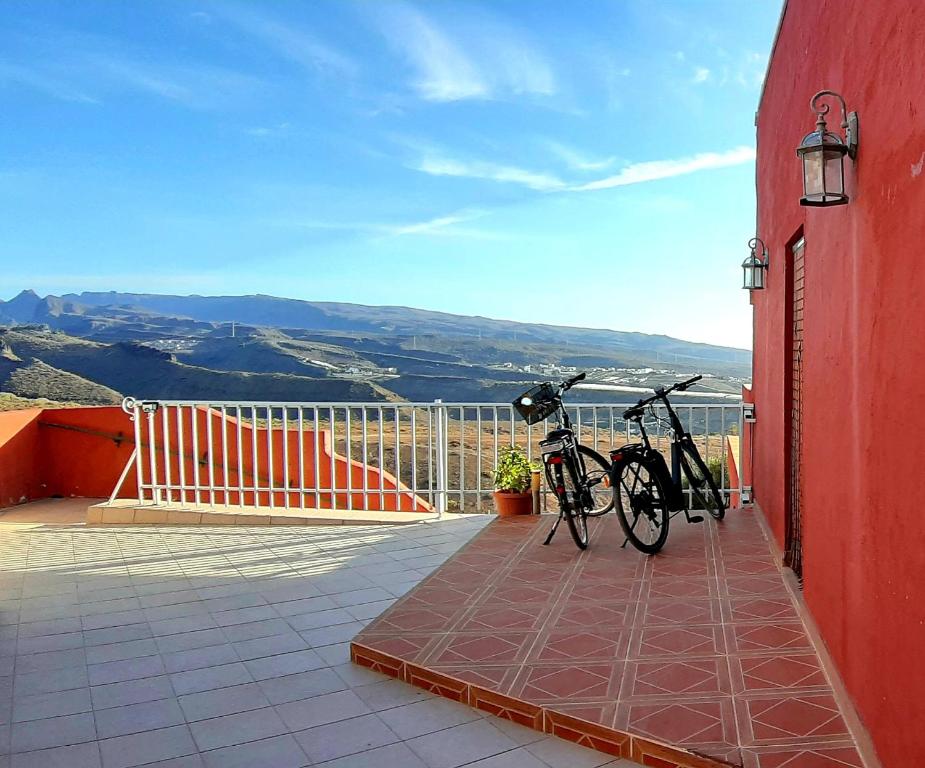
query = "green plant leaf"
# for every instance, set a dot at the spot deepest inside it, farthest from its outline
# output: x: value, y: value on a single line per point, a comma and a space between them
x: 512, y: 473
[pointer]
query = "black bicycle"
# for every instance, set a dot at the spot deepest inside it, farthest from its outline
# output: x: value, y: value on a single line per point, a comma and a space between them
x: 645, y: 493
x: 576, y: 474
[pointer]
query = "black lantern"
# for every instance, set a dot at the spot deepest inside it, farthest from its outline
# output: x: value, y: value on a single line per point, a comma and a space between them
x: 823, y: 155
x: 754, y: 266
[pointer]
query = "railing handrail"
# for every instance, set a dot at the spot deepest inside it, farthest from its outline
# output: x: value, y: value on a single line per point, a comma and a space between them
x: 417, y: 455
x: 732, y: 401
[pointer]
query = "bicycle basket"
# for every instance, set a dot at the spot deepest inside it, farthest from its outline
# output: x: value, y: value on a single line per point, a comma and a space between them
x: 543, y: 405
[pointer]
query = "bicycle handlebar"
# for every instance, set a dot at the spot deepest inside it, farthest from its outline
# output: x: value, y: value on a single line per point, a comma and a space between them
x: 566, y: 385
x: 660, y: 394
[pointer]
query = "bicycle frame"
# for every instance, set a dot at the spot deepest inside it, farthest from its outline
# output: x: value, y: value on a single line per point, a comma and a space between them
x: 574, y: 465
x: 648, y: 454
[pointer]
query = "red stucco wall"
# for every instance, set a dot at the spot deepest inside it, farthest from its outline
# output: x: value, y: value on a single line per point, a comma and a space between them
x: 84, y: 451
x: 20, y: 478
x: 864, y: 351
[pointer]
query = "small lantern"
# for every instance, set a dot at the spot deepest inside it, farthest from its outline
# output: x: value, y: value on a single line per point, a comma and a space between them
x: 754, y: 266
x: 823, y: 155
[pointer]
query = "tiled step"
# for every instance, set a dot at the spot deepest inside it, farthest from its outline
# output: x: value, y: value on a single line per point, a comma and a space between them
x: 129, y: 512
x: 696, y: 657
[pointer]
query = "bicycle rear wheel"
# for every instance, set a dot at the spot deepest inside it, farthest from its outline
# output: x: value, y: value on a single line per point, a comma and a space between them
x: 598, y: 494
x: 701, y: 479
x: 641, y: 501
x: 575, y: 515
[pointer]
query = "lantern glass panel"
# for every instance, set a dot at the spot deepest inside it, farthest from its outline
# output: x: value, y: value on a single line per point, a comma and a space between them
x: 813, y: 178
x: 748, y: 277
x: 834, y: 173
x: 758, y: 278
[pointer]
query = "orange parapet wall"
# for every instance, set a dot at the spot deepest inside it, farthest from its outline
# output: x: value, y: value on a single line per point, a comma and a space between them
x: 83, y: 452
x: 20, y: 456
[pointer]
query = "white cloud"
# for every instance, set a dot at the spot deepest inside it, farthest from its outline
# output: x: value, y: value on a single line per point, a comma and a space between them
x: 637, y: 173
x: 490, y: 62
x: 44, y: 82
x: 437, y: 225
x: 479, y: 169
x: 288, y: 41
x: 443, y: 72
x: 269, y: 131
x: 440, y: 226
x: 194, y: 85
x: 435, y: 162
x: 701, y: 74
x: 576, y: 160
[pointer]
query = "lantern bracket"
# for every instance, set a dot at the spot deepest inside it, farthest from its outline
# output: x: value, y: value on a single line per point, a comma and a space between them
x: 849, y: 120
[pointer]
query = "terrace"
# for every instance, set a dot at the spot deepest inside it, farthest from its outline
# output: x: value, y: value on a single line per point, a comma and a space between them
x: 205, y: 628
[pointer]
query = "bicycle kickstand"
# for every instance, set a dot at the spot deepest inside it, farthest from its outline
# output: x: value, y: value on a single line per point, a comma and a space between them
x: 552, y: 531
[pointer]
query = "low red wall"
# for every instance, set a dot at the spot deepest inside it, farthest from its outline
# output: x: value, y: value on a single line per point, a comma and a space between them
x: 83, y: 452
x: 20, y: 475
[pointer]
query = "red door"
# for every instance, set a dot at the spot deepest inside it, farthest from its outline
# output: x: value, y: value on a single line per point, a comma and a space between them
x: 793, y: 556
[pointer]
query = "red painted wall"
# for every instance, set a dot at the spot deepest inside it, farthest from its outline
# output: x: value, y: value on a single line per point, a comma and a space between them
x: 20, y: 478
x: 85, y: 450
x: 864, y: 350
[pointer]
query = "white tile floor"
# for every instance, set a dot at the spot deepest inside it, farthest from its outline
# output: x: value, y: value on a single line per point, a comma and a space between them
x: 226, y: 647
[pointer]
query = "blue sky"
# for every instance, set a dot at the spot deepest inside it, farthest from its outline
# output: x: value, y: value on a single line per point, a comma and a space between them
x: 584, y: 163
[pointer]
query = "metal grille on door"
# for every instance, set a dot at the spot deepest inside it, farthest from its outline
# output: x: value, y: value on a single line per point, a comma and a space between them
x: 794, y: 554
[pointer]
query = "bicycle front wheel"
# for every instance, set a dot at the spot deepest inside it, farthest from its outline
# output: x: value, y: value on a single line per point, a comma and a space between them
x: 701, y: 479
x: 569, y: 501
x: 599, y: 497
x: 641, y: 501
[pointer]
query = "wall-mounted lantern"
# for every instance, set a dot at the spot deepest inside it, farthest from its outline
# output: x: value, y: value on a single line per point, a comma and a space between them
x: 753, y: 268
x: 823, y: 155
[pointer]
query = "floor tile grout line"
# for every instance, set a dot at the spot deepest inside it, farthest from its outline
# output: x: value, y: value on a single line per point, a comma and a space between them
x: 725, y: 607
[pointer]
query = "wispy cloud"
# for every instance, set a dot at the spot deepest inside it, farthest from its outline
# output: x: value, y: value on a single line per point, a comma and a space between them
x: 91, y: 68
x: 701, y: 75
x: 47, y: 83
x: 442, y: 71
x: 637, y: 173
x: 435, y: 164
x: 576, y: 160
x: 288, y: 41
x: 492, y: 62
x: 269, y: 131
x: 194, y: 85
x: 439, y: 226
x: 480, y: 169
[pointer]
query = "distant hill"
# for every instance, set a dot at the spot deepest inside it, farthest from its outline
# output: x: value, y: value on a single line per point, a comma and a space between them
x: 277, y: 312
x: 264, y: 347
x: 145, y: 372
x: 37, y: 380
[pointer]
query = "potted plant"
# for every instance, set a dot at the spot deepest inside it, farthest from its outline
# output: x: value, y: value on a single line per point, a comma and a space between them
x: 512, y: 483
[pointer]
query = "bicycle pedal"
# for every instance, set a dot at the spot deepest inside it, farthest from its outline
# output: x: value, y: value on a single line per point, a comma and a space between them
x: 694, y: 519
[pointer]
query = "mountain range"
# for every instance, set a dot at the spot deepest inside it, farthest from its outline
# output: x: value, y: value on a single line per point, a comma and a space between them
x: 94, y: 347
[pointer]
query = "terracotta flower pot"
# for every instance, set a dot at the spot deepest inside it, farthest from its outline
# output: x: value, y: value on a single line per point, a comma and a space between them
x: 510, y: 504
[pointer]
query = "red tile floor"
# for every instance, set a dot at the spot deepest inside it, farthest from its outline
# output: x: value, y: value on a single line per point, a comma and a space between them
x: 694, y: 657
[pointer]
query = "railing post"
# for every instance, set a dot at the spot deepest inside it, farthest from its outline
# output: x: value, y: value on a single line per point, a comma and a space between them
x: 130, y: 406
x: 746, y: 417
x: 152, y: 453
x: 442, y: 449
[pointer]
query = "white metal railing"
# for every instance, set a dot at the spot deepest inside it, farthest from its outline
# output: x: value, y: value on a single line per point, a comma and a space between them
x: 425, y: 456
